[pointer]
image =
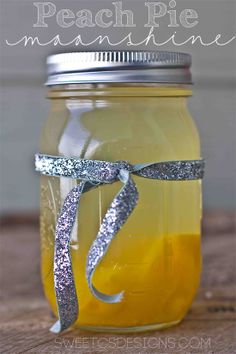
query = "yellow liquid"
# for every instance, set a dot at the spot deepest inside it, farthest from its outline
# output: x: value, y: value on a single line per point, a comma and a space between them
x: 155, y: 258
x: 159, y: 275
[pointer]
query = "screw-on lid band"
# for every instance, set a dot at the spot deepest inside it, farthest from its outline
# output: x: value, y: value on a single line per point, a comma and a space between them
x: 119, y: 66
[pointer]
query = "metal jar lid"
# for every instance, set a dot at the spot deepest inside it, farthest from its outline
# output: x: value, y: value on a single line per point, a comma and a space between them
x: 119, y: 66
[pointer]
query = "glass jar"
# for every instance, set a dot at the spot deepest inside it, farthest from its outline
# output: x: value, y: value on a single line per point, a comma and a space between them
x: 133, y: 112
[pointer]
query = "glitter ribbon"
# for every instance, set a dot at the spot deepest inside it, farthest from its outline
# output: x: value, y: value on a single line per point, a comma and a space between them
x: 93, y: 173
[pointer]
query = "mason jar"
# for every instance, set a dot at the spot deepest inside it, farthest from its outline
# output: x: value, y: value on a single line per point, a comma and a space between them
x: 125, y: 106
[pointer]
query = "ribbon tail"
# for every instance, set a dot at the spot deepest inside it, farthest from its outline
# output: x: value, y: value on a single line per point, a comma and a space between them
x: 117, y: 214
x: 64, y: 284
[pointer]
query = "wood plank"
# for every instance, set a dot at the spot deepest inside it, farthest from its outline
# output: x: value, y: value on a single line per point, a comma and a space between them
x: 25, y: 317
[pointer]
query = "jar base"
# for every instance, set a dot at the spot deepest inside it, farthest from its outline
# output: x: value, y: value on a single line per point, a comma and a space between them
x: 132, y: 329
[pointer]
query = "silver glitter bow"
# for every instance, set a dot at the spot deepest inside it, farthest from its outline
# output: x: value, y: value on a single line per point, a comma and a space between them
x: 93, y: 173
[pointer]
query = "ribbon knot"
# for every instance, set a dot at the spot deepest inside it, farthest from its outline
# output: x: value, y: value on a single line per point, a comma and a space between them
x: 124, y: 170
x: 125, y: 165
x: 93, y: 173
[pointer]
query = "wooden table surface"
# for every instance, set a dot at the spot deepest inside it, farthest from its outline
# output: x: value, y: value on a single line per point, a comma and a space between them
x: 210, y: 326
